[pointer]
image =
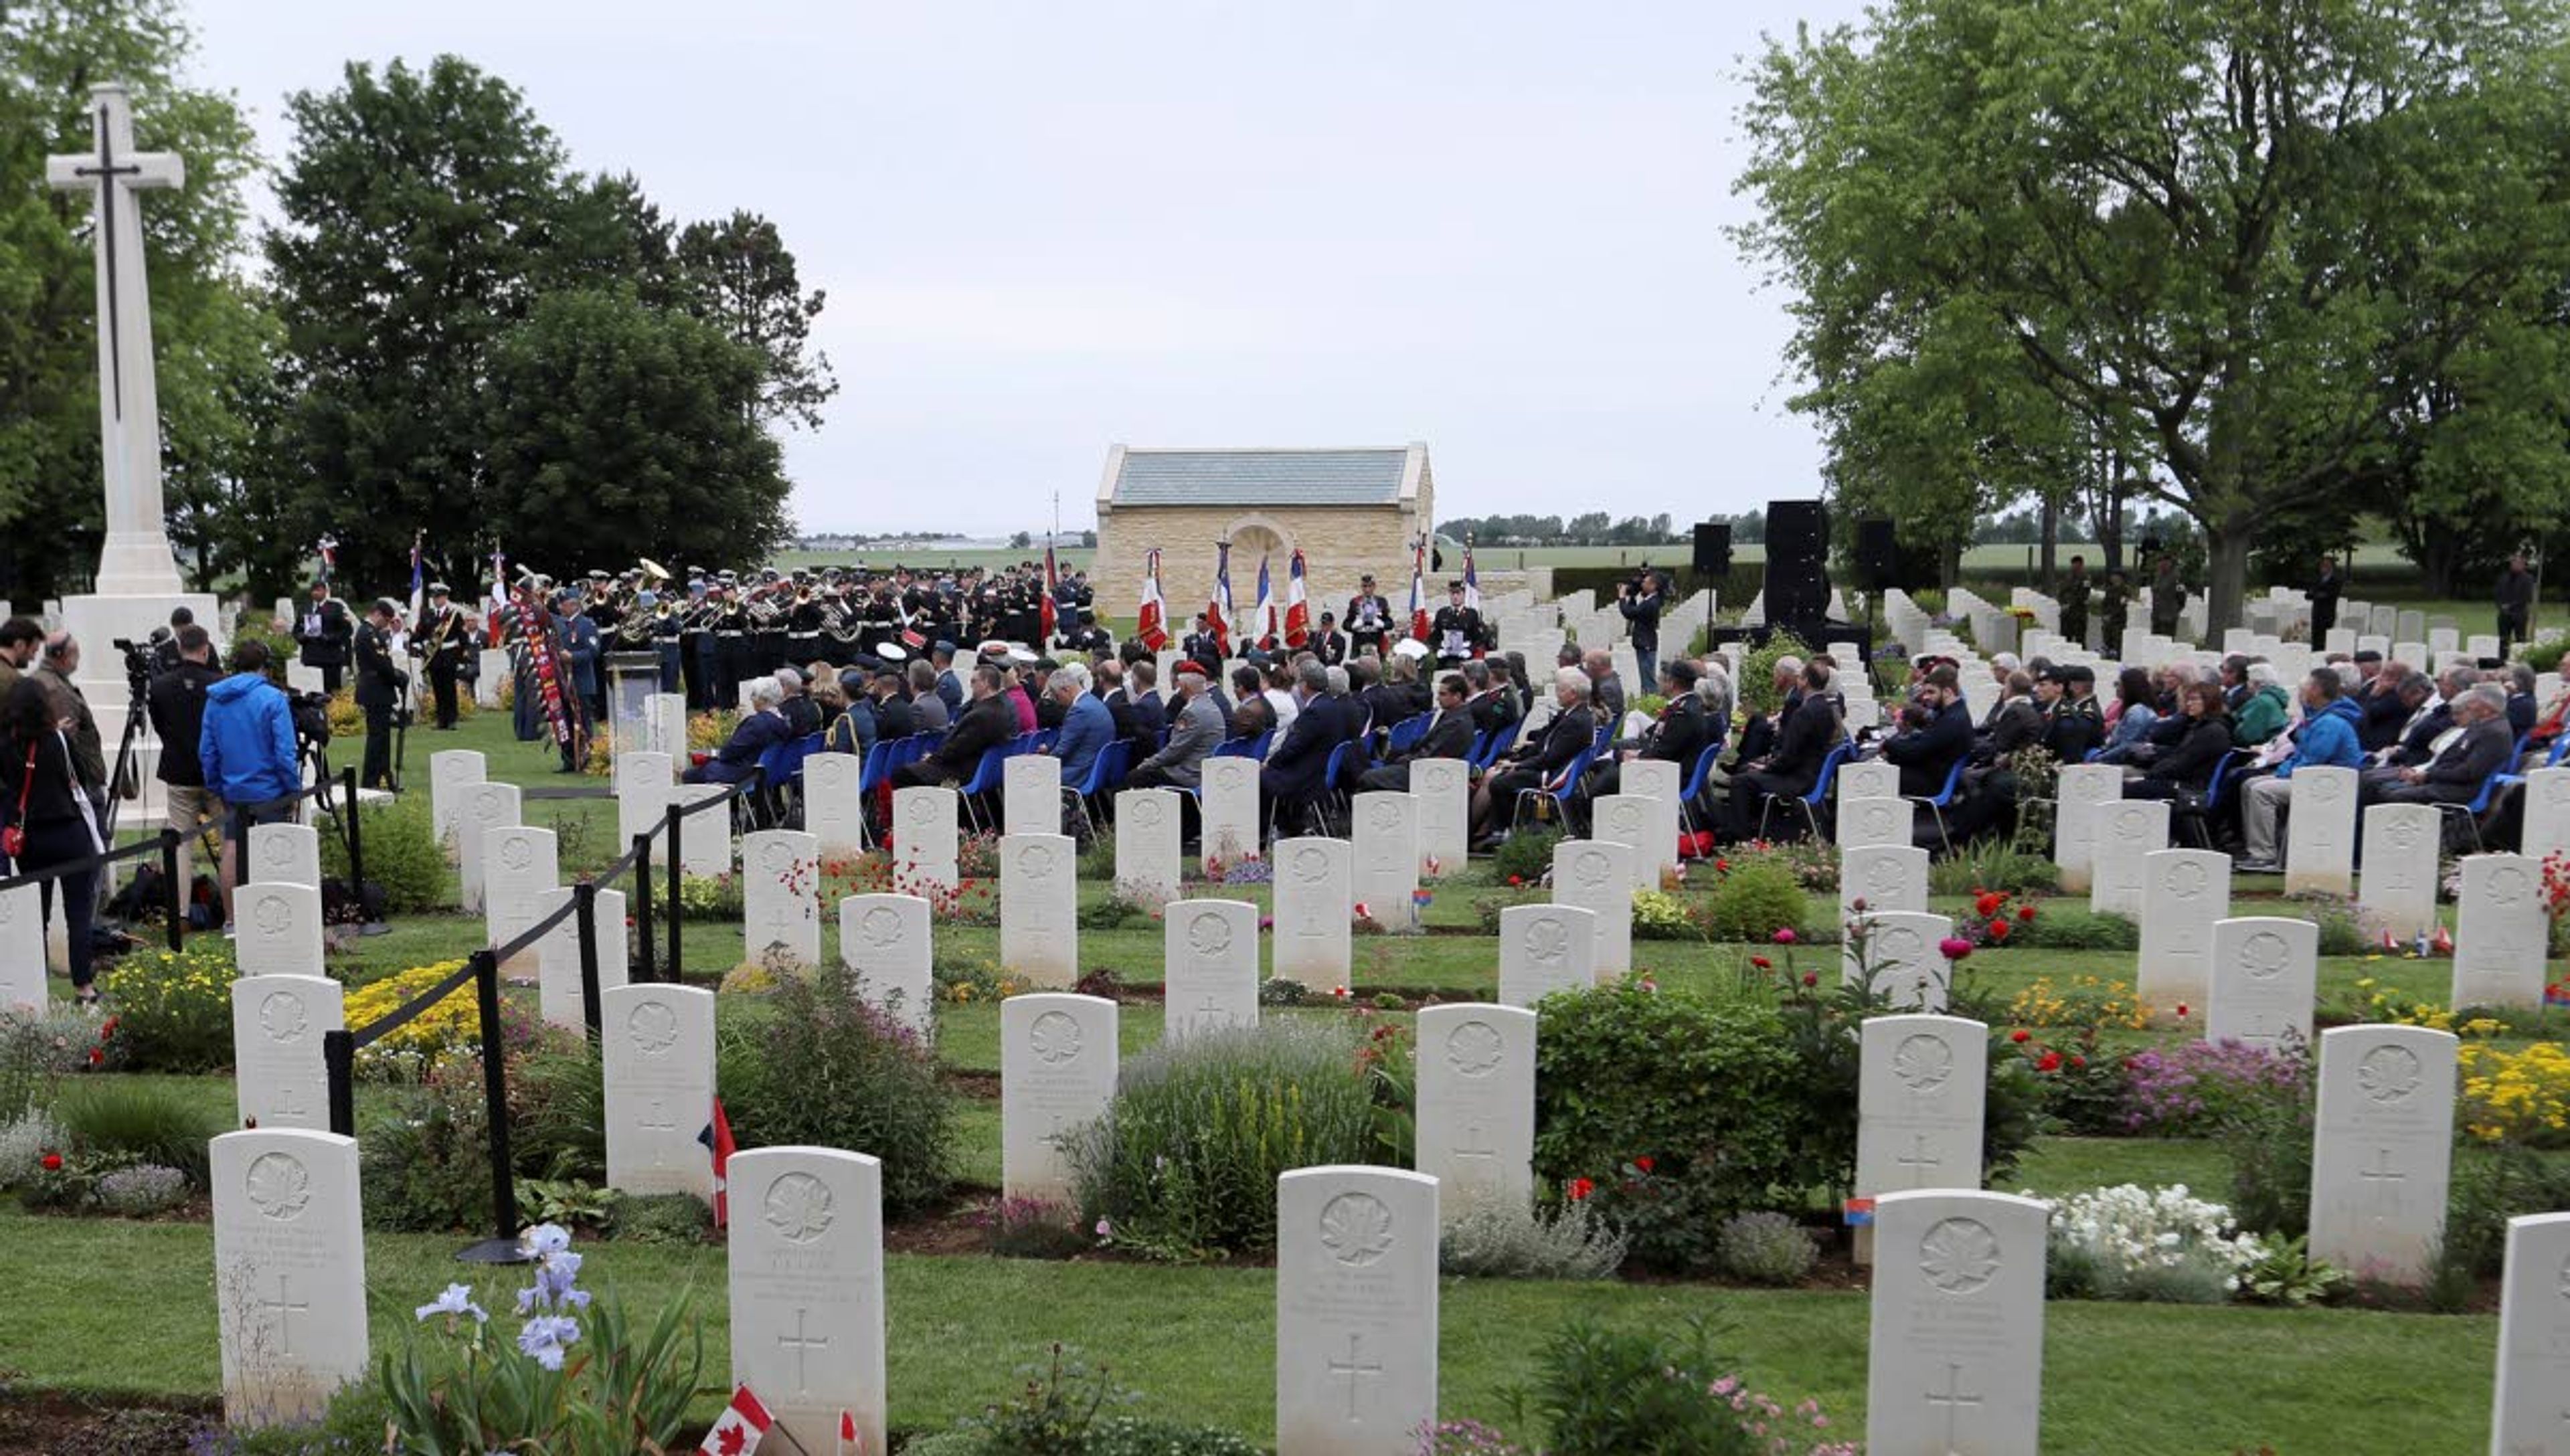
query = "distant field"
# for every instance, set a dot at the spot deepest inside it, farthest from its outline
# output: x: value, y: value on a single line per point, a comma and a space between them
x: 1497, y: 558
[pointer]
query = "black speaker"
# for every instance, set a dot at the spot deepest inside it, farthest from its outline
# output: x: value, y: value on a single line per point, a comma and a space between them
x: 1796, y: 584
x: 1878, y: 554
x: 1712, y: 547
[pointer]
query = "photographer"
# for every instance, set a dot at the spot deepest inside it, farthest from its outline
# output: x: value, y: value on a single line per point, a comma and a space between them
x: 1639, y: 601
x: 177, y: 706
x: 379, y: 685
x: 165, y: 640
x: 246, y: 749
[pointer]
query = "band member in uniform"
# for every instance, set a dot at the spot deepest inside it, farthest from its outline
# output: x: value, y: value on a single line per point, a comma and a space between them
x: 443, y: 637
x: 1369, y: 618
x: 664, y: 633
x: 379, y: 685
x: 1457, y: 630
x: 731, y: 649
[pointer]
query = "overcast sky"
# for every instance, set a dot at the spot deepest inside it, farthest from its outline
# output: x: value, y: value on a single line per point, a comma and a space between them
x: 1047, y: 227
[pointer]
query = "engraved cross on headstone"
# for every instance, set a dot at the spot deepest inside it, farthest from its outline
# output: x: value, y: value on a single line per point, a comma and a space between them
x: 802, y: 1345
x: 1209, y: 1011
x: 1954, y: 1400
x: 2383, y: 1177
x: 1354, y: 1372
x: 282, y: 1306
x: 1918, y: 1160
x: 1475, y: 1142
x: 285, y: 1103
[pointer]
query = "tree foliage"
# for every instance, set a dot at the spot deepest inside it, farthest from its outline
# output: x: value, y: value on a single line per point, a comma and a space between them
x: 2275, y: 256
x: 736, y: 275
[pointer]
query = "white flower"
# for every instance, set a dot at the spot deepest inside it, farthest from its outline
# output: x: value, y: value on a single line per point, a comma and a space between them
x: 458, y: 1300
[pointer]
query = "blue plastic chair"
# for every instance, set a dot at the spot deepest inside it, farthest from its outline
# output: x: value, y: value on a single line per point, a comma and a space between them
x: 2481, y: 802
x: 1691, y: 797
x: 1404, y: 735
x: 1560, y: 787
x: 1338, y: 778
x: 987, y: 777
x: 1811, y: 801
x: 1105, y: 772
x: 1944, y: 799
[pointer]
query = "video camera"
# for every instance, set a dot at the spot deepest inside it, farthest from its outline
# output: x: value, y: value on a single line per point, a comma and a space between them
x: 312, y: 712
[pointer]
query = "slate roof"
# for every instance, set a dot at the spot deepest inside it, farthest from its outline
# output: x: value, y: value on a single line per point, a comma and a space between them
x: 1260, y: 478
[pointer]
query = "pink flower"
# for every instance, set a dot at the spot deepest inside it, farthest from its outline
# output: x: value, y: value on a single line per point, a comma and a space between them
x: 1954, y: 948
x: 1785, y: 935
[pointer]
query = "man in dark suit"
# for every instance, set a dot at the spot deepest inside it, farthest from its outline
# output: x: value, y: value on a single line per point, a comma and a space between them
x: 1803, y: 742
x: 2457, y: 775
x: 324, y: 634
x: 1448, y: 735
x: 1572, y: 731
x: 761, y: 729
x: 1368, y: 619
x: 1928, y: 752
x: 1678, y: 735
x: 379, y: 685
x: 1329, y: 644
x: 1197, y: 731
x: 989, y: 720
x: 1296, y: 775
x: 1151, y: 715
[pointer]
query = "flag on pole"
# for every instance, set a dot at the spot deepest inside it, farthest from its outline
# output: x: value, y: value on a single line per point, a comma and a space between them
x: 1298, y: 610
x: 739, y: 1430
x: 1219, y: 610
x: 718, y: 1140
x: 850, y: 1443
x: 1419, y: 589
x: 328, y: 547
x: 1265, y: 620
x: 418, y: 578
x: 496, y: 600
x: 1153, y: 625
x: 1050, y: 611
x: 1472, y: 581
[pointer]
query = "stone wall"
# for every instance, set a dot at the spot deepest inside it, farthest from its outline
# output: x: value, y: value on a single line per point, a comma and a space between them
x: 1338, y: 543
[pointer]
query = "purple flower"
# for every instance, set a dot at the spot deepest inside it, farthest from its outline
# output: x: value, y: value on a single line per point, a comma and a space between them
x: 544, y: 1337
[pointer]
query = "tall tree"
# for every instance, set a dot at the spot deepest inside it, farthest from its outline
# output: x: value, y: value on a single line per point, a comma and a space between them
x: 2212, y: 230
x: 738, y: 276
x: 206, y: 322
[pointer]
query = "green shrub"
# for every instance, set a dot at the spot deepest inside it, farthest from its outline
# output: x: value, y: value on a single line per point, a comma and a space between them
x: 558, y: 1108
x: 2071, y: 927
x: 1034, y: 1227
x: 660, y: 1218
x: 173, y: 1011
x: 1765, y: 1248
x: 825, y: 1069
x: 144, y: 1121
x: 1186, y: 1160
x: 1524, y: 858
x: 143, y: 1190
x: 399, y: 838
x: 1505, y: 1239
x: 426, y: 1168
x: 1605, y: 1393
x: 1756, y: 680
x: 38, y: 1050
x: 2342, y: 927
x: 1064, y: 1408
x: 1992, y: 863
x: 24, y: 1141
x: 1754, y: 899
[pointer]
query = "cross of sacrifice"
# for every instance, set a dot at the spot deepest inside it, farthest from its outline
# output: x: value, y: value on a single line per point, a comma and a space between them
x: 1918, y: 1159
x: 1953, y: 1400
x: 802, y: 1345
x: 120, y: 226
x: 1355, y: 1372
x: 282, y: 1306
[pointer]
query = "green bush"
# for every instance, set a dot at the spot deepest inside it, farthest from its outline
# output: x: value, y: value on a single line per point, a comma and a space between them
x: 38, y: 1050
x: 1524, y: 858
x: 558, y: 1108
x: 1505, y: 1239
x: 2057, y: 927
x: 1063, y: 1407
x: 826, y: 1069
x: 660, y: 1218
x: 174, y: 1012
x: 1992, y: 863
x: 400, y: 840
x: 1756, y: 680
x: 2342, y: 927
x: 1605, y: 1393
x: 1766, y: 1249
x: 1754, y: 899
x: 426, y: 1168
x: 141, y: 1119
x: 1186, y: 1160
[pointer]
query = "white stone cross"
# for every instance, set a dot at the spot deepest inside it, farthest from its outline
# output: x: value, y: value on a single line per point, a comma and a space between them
x: 136, y: 561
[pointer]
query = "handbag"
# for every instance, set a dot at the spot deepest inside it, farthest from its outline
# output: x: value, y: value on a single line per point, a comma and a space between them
x: 13, y: 840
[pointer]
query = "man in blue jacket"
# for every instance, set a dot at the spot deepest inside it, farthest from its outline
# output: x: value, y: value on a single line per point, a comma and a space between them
x: 760, y: 729
x: 1087, y: 726
x: 246, y: 747
x: 2327, y: 739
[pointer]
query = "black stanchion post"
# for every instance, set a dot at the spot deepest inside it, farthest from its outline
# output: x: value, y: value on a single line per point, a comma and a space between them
x: 643, y: 904
x: 502, y: 1248
x: 356, y: 842
x: 678, y: 820
x: 339, y: 1064
x: 585, y: 900
x: 176, y: 901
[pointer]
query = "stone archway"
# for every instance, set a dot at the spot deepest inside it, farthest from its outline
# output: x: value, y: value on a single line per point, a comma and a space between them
x: 1254, y: 536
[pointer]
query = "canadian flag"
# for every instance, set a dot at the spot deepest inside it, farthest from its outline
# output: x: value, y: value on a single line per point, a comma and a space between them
x: 1298, y: 612
x: 737, y: 1431
x: 1153, y: 625
x: 718, y: 1140
x: 1419, y: 590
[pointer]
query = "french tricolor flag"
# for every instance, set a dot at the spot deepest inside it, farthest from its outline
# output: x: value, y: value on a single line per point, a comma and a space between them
x: 1298, y: 610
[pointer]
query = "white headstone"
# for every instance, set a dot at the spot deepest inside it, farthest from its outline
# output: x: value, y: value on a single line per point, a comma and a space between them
x: 449, y: 772
x: 705, y: 840
x: 2320, y: 832
x: 886, y: 943
x: 2547, y: 813
x: 1922, y: 1084
x: 1057, y: 1063
x: 1885, y: 878
x: 2399, y: 886
x: 2184, y: 892
x: 517, y: 864
x: 781, y: 886
x: 1868, y: 778
x: 2382, y: 1150
x: 289, y: 1273
x: 643, y: 789
x: 1908, y: 965
x: 1039, y: 908
x: 1030, y: 794
x: 807, y: 1289
x: 1229, y: 797
x: 22, y: 949
x: 493, y: 677
x: 2530, y: 1408
x: 664, y: 725
x: 1209, y: 966
x: 278, y: 931
x: 2265, y: 975
x: 1443, y: 788
x: 1546, y: 948
x: 279, y: 1078
x: 1597, y: 875
x: 1866, y: 823
x: 1661, y: 784
x: 2080, y: 788
x: 657, y: 1043
x: 1313, y: 889
x: 1633, y: 822
x: 1475, y: 1129
x: 1147, y: 844
x: 1356, y: 1310
x: 487, y: 807
x: 834, y: 812
x: 1956, y: 1351
x: 2501, y: 933
x: 1386, y: 865
x: 558, y: 984
x: 923, y: 841
x: 2128, y: 832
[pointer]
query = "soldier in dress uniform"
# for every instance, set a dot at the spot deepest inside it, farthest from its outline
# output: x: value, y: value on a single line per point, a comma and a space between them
x: 1329, y: 644
x: 665, y: 634
x: 442, y: 638
x: 697, y: 643
x: 1457, y: 630
x: 1369, y: 618
x: 731, y: 644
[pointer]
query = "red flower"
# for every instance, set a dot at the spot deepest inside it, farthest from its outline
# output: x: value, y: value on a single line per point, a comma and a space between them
x: 53, y: 1162
x: 2051, y: 1062
x: 1988, y: 905
x: 2078, y: 1061
x: 1515, y: 880
x: 2020, y: 1035
x: 2181, y: 1010
x: 1642, y: 1163
x: 2025, y: 912
x: 1810, y: 979
x: 1785, y: 935
x: 96, y: 1058
x: 1762, y: 962
x: 1580, y: 1188
x: 2000, y: 929
x: 1722, y: 867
